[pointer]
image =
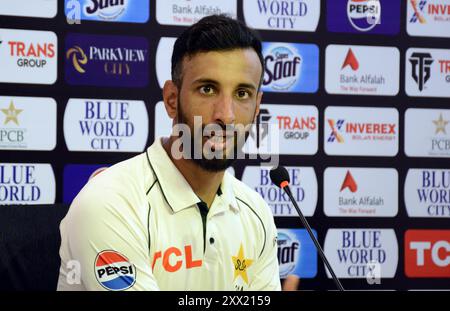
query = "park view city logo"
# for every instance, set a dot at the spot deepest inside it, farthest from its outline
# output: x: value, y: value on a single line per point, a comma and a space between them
x: 303, y: 185
x: 428, y: 18
x: 297, y: 254
x: 130, y: 11
x: 75, y: 176
x: 26, y: 183
x: 427, y: 132
x: 427, y: 193
x: 427, y: 253
x: 362, y: 70
x: 360, y: 192
x: 106, y: 125
x: 292, y: 15
x: 28, y: 56
x: 362, y: 253
x: 284, y: 129
x: 290, y: 67
x: 106, y: 60
x: 27, y: 8
x: 27, y: 123
x: 188, y: 12
x: 361, y: 131
x: 364, y: 16
x: 427, y: 72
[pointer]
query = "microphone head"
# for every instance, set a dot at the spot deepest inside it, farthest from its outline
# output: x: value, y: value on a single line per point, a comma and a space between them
x: 280, y: 176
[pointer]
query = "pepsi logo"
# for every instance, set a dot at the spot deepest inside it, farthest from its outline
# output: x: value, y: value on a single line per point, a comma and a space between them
x: 364, y: 15
x: 114, y: 271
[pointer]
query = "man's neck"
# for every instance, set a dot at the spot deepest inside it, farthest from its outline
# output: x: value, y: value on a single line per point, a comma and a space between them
x: 204, y: 183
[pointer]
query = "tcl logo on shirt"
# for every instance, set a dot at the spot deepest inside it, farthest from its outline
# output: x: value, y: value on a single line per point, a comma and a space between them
x: 173, y: 259
x: 427, y: 253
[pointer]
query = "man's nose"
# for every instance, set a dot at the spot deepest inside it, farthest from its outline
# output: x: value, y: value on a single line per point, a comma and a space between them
x: 224, y: 110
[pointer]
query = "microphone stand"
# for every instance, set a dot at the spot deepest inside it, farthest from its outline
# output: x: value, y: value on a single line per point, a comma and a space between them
x: 313, y: 238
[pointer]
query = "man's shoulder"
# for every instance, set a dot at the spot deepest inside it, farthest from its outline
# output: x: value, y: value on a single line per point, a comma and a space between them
x: 249, y: 197
x: 124, y: 181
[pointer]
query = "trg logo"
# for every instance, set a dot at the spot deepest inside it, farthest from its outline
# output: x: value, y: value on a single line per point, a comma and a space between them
x: 421, y: 68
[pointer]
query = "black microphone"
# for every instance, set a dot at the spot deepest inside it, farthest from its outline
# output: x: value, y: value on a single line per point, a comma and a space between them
x: 280, y: 177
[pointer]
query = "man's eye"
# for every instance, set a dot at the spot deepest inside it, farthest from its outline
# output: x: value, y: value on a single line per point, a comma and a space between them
x: 243, y: 94
x: 207, y: 90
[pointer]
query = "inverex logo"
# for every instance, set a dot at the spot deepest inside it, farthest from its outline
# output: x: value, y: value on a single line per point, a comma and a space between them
x: 27, y: 8
x: 130, y: 11
x: 427, y: 253
x: 428, y: 18
x: 360, y: 192
x: 290, y: 67
x: 28, y: 56
x: 303, y: 185
x: 361, y: 131
x: 362, y: 253
x: 427, y: 72
x: 284, y: 129
x: 297, y: 254
x: 106, y: 60
x: 362, y: 70
x: 427, y: 132
x: 187, y: 12
x: 291, y: 15
x: 105, y: 125
x: 164, y: 60
x: 26, y: 183
x: 427, y: 193
x: 364, y: 16
x: 27, y: 123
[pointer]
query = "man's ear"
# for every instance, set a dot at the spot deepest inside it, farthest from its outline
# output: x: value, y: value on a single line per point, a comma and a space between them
x: 258, y: 103
x: 170, y: 97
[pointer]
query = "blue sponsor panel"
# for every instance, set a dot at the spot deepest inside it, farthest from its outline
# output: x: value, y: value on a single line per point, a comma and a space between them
x: 106, y: 60
x: 297, y: 254
x: 126, y: 11
x: 290, y: 67
x: 75, y: 176
x: 364, y: 16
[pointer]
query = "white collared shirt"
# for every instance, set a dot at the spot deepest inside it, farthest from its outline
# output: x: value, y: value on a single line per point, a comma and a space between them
x: 139, y: 226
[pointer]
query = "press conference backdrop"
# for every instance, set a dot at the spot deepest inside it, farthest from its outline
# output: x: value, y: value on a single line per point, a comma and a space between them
x: 359, y: 91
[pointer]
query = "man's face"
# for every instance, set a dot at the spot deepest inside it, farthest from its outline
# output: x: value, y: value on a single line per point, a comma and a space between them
x: 222, y: 89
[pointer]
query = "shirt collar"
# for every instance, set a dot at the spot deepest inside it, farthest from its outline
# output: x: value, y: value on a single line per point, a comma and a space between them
x: 174, y: 187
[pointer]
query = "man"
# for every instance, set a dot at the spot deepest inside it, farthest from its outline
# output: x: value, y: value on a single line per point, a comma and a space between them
x: 171, y: 219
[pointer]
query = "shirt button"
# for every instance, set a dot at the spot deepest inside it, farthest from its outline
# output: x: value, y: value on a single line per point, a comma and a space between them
x: 211, y: 240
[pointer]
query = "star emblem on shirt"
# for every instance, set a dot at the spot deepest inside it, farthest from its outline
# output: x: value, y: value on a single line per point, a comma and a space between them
x: 11, y: 114
x: 241, y: 265
x: 440, y: 124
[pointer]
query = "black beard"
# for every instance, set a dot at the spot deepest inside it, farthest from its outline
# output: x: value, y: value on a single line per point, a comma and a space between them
x: 210, y: 165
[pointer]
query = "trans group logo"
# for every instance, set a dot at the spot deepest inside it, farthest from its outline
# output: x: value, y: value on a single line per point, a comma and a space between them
x: 427, y: 72
x: 130, y: 11
x: 290, y: 67
x: 114, y: 271
x: 106, y: 60
x: 28, y: 56
x: 364, y: 16
x: 296, y: 253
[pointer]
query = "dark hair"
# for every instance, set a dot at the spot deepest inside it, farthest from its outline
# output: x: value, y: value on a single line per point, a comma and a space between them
x: 213, y: 33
